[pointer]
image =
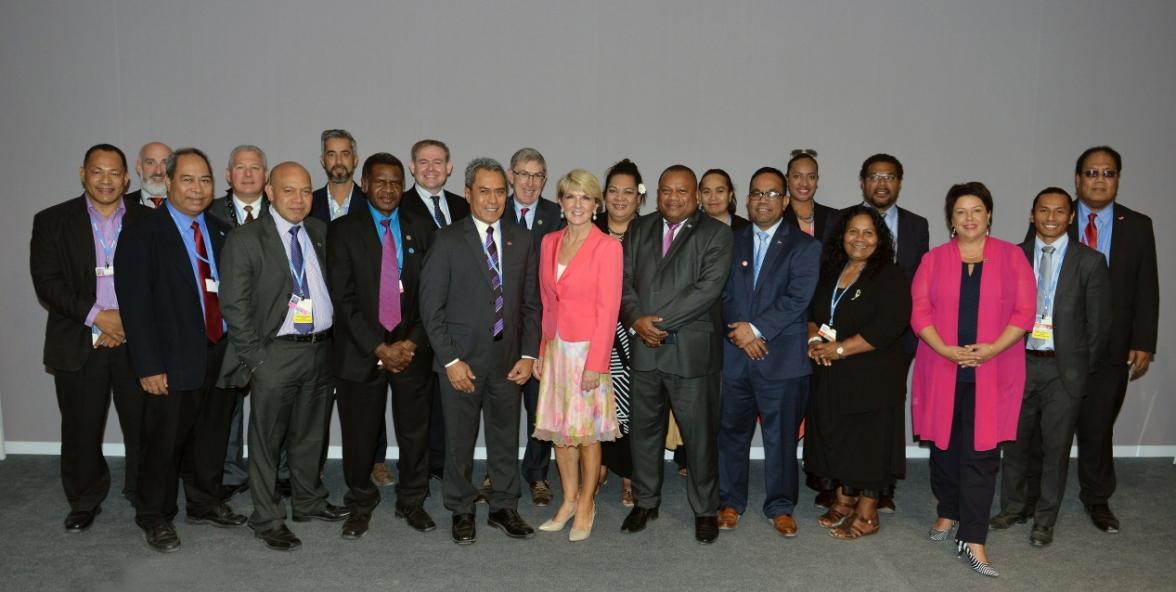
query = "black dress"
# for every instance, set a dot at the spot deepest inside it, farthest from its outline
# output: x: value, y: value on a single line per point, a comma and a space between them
x: 856, y: 424
x: 615, y: 454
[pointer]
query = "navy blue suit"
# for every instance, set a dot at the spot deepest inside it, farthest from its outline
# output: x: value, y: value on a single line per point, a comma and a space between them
x: 777, y: 387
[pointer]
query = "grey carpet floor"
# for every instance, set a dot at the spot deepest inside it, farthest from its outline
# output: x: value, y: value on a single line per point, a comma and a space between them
x: 35, y: 553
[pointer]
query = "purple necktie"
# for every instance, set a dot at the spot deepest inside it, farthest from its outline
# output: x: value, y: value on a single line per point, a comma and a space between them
x: 523, y: 217
x: 496, y: 281
x: 389, y: 280
x: 668, y: 239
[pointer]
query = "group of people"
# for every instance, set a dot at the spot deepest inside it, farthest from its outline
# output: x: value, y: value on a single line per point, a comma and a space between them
x: 615, y: 332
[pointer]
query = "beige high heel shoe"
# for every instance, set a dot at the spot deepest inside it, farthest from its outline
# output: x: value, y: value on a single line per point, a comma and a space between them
x: 576, y: 536
x: 554, y: 525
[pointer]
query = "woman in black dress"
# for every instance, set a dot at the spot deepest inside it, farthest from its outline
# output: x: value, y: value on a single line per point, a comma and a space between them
x: 856, y: 421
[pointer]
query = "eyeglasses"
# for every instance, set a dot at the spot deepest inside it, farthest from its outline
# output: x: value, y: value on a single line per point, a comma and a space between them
x: 1106, y: 174
x: 804, y: 151
x: 525, y: 176
x: 758, y: 195
x: 879, y: 177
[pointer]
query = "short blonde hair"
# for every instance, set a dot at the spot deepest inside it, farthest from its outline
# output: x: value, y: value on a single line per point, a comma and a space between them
x: 582, y: 180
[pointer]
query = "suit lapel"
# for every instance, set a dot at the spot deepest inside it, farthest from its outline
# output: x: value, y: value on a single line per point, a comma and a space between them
x: 474, y: 244
x: 1066, y: 276
x: 745, y: 252
x: 684, y: 231
x: 775, y: 247
x: 273, y: 250
x: 171, y: 236
x: 1119, y: 231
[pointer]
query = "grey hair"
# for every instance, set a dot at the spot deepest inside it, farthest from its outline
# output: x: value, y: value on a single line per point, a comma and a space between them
x: 248, y: 148
x: 481, y: 164
x: 174, y: 157
x: 337, y: 134
x: 527, y: 155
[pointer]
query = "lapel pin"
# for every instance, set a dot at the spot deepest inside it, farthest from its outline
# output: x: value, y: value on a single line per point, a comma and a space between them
x: 411, y: 251
x: 743, y: 263
x: 540, y: 222
x: 408, y: 237
x: 508, y: 243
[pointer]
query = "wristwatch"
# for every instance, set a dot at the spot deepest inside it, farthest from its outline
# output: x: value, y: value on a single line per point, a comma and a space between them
x: 840, y: 352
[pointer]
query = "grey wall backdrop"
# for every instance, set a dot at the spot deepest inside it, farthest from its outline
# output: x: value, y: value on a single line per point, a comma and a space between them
x: 1006, y: 91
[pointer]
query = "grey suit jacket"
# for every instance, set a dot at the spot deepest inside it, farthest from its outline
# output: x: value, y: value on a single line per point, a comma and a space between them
x: 457, y: 302
x: 255, y: 292
x: 1081, y: 313
x: 683, y: 288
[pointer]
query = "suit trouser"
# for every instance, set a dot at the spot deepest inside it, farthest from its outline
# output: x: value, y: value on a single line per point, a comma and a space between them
x: 290, y: 393
x: 1106, y: 388
x: 435, y: 462
x: 1050, y: 411
x: 780, y: 405
x: 83, y: 396
x: 495, y: 399
x: 184, y: 435
x: 236, y: 465
x: 695, y: 402
x: 537, y: 456
x: 963, y: 479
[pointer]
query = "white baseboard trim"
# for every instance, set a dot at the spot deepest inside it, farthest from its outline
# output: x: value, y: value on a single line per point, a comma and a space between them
x: 757, y: 453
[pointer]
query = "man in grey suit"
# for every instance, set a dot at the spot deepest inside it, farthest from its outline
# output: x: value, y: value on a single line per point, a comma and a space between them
x: 1069, y: 337
x: 274, y: 297
x: 480, y: 305
x: 676, y: 264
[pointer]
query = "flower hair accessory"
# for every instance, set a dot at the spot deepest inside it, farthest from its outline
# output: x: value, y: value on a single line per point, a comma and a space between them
x: 641, y: 188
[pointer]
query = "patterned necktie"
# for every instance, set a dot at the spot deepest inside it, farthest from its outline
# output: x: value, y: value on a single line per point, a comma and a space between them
x: 1044, y: 276
x: 248, y: 214
x: 389, y: 280
x: 438, y: 216
x: 212, y: 314
x: 158, y: 201
x: 761, y: 248
x: 300, y: 287
x: 668, y: 238
x: 1091, y: 232
x: 523, y: 218
x: 495, y: 281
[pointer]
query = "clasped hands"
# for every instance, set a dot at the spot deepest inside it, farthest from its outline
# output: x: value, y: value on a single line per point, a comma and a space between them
x: 824, y: 352
x: 969, y: 356
x: 743, y: 337
x: 396, y: 356
x: 109, y: 322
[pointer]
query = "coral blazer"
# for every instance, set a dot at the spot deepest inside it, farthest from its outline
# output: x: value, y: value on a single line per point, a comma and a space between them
x: 583, y: 304
x: 1008, y: 296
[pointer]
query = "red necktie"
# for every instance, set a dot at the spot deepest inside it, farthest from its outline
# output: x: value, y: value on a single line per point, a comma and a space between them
x: 158, y: 201
x: 212, y: 313
x: 1091, y: 232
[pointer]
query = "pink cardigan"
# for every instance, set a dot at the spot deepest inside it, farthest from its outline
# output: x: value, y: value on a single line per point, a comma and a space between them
x: 582, y: 305
x: 1007, y: 297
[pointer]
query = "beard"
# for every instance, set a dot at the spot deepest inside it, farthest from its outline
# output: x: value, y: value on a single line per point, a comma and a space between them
x: 156, y: 188
x: 339, y: 175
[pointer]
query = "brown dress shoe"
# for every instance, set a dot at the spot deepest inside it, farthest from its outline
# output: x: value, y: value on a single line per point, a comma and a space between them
x: 785, y: 525
x: 381, y: 476
x: 541, y: 493
x: 728, y: 518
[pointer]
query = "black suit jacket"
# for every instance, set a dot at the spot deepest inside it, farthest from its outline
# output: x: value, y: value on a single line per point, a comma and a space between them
x: 1081, y: 312
x: 319, y: 208
x: 824, y: 218
x: 547, y: 219
x: 739, y: 223
x: 683, y: 288
x: 353, y: 255
x: 223, y: 209
x: 1135, y: 283
x: 62, y: 262
x: 160, y: 304
x: 459, y: 208
x: 457, y: 302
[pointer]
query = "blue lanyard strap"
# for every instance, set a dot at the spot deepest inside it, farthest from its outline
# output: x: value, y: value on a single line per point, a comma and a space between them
x: 107, y: 250
x: 836, y: 298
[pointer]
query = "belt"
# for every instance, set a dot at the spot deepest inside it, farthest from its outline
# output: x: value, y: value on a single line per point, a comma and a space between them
x: 310, y: 338
x: 1042, y: 353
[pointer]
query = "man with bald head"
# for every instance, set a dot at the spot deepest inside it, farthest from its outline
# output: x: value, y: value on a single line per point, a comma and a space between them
x: 275, y: 301
x: 151, y: 168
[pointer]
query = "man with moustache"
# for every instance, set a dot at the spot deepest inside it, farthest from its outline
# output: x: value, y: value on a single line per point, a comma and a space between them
x: 72, y: 263
x: 375, y: 255
x: 480, y: 304
x: 340, y: 195
x: 676, y: 264
x: 167, y: 286
x: 1069, y: 337
x: 150, y: 166
x: 275, y: 300
x: 528, y: 209
x: 765, y: 307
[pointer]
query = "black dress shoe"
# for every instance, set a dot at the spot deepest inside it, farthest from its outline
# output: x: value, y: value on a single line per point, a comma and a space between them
x: 435, y: 474
x: 1041, y: 536
x: 464, y: 531
x: 81, y: 520
x: 706, y: 529
x: 637, y: 518
x: 508, y: 521
x: 283, y: 488
x: 1005, y: 520
x: 416, y: 517
x: 279, y: 539
x: 228, y: 491
x: 356, y: 525
x: 221, y: 516
x: 162, y: 537
x: 886, y: 504
x: 1104, y: 519
x: 329, y: 513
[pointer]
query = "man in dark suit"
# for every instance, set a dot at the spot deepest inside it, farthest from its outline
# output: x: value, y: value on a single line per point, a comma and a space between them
x: 275, y: 301
x: 150, y: 166
x: 375, y: 255
x: 1068, y: 341
x: 72, y: 264
x: 340, y: 195
x: 167, y: 287
x: 676, y: 264
x: 765, y: 306
x: 430, y: 167
x: 480, y: 304
x: 528, y: 209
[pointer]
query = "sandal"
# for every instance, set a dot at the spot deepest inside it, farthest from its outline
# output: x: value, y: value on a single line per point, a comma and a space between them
x: 850, y: 529
x: 627, y: 498
x: 836, y: 515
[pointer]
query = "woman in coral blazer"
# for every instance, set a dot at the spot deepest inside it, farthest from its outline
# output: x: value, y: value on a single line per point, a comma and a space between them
x: 580, y: 286
x: 973, y: 299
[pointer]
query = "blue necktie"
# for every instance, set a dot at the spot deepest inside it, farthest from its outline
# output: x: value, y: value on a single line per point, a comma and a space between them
x: 438, y: 216
x: 761, y: 247
x: 496, y: 280
x: 298, y: 265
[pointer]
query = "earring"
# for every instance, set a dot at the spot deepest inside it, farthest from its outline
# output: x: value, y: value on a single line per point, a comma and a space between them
x: 593, y: 215
x: 953, y: 232
x: 561, y: 214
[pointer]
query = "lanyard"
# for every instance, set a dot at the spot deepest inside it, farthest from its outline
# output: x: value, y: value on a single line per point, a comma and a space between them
x: 299, y: 274
x: 1054, y: 272
x: 107, y: 250
x: 836, y: 298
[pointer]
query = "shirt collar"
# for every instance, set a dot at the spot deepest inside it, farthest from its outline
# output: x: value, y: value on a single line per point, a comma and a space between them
x: 237, y: 201
x: 1059, y: 244
x: 1102, y: 215
x: 119, y: 210
x: 481, y: 226
x: 771, y: 230
x: 379, y: 216
x: 428, y: 197
x: 283, y: 225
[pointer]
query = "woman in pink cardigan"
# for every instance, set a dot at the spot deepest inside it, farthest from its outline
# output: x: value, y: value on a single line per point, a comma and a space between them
x: 973, y: 299
x: 580, y: 285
